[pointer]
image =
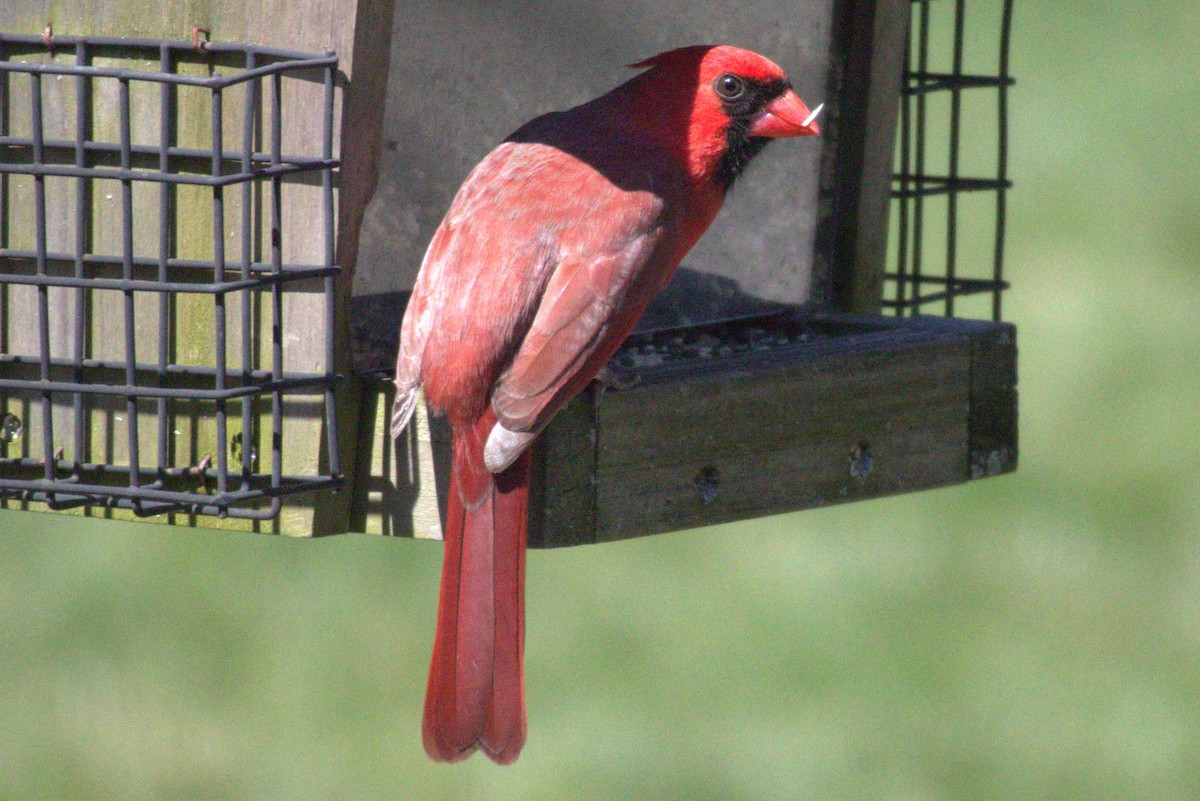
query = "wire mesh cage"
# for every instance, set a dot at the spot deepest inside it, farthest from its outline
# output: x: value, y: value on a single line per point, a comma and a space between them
x: 158, y: 262
x: 948, y: 193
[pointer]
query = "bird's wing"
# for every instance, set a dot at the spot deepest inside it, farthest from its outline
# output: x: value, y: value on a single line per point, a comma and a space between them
x: 482, y: 274
x: 597, y: 292
x: 520, y: 283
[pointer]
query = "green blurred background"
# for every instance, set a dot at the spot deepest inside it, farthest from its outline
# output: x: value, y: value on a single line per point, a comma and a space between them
x: 1032, y: 636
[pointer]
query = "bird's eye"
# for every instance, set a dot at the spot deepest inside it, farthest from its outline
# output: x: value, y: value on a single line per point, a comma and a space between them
x: 729, y: 87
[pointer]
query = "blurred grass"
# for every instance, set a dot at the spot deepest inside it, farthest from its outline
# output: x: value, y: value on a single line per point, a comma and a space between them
x: 1034, y: 636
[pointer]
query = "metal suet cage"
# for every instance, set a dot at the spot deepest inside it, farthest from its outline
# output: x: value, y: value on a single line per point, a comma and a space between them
x: 928, y: 270
x: 143, y: 281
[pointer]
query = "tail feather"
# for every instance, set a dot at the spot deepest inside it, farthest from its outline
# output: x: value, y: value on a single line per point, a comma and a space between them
x: 504, y: 730
x: 476, y: 692
x: 404, y: 406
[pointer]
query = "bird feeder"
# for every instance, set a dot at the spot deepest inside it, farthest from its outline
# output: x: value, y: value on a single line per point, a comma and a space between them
x: 790, y: 364
x: 810, y: 351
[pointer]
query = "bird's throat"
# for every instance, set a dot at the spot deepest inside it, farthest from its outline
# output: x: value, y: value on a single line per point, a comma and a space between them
x: 740, y: 148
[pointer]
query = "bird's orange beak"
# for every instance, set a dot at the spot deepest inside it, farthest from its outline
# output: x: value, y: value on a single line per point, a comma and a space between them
x: 786, y: 115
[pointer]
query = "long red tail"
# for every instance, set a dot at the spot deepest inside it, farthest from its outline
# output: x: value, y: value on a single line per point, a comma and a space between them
x: 476, y: 692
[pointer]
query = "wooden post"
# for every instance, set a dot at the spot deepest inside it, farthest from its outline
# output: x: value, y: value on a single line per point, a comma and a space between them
x: 867, y: 72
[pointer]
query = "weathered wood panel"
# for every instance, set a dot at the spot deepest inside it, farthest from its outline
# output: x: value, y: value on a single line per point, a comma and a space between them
x: 563, y: 476
x: 755, y: 442
x: 868, y: 69
x: 396, y: 489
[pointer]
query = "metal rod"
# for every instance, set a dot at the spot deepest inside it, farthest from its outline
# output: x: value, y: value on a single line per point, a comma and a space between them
x: 165, y: 133
x: 246, y: 237
x: 201, y: 156
x: 123, y: 285
x: 928, y: 82
x: 904, y: 177
x: 960, y: 9
x: 4, y: 215
x: 262, y: 279
x: 83, y: 211
x: 37, y: 43
x: 959, y: 290
x: 126, y: 173
x: 330, y: 285
x: 121, y: 74
x: 43, y: 292
x: 918, y: 235
x: 937, y: 184
x: 104, y: 474
x: 5, y: 113
x: 263, y: 271
x: 220, y: 505
x: 1002, y: 154
x: 292, y: 485
x: 127, y: 273
x: 317, y: 384
x: 960, y: 281
x: 276, y: 296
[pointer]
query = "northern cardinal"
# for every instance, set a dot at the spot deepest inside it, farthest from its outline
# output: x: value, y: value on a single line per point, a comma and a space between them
x: 550, y: 252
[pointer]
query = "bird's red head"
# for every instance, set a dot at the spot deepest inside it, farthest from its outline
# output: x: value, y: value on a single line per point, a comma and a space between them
x: 734, y: 101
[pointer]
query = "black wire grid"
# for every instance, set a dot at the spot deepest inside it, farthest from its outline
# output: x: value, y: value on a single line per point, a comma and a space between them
x: 927, y: 235
x: 60, y: 408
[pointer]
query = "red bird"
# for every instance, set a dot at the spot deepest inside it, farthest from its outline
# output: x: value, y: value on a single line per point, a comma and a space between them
x: 549, y: 254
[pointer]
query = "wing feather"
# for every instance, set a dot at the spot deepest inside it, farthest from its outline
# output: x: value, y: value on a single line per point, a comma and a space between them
x: 582, y: 311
